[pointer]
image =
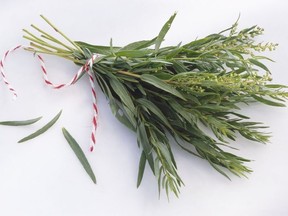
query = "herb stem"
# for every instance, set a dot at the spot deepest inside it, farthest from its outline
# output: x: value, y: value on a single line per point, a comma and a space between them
x: 45, y: 51
x: 62, y: 34
x: 51, y: 38
x: 32, y: 35
x: 129, y: 74
x: 43, y: 43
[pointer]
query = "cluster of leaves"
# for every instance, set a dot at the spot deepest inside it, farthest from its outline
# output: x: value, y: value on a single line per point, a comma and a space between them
x: 160, y: 91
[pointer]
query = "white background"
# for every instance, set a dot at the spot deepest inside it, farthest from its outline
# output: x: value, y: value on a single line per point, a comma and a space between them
x: 43, y: 176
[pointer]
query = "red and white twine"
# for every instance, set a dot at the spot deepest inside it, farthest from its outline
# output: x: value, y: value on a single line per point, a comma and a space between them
x: 85, y: 68
x: 2, y: 70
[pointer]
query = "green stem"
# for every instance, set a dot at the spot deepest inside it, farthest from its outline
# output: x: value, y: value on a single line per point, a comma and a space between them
x: 129, y: 74
x: 62, y: 55
x: 45, y: 44
x: 51, y: 38
x: 62, y: 34
x: 32, y: 35
x: 40, y: 47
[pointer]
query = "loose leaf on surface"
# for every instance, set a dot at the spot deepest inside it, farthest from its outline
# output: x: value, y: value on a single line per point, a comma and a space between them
x: 79, y: 153
x: 41, y: 130
x: 20, y: 123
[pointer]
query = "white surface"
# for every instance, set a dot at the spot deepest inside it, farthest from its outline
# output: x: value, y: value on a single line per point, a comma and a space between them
x: 43, y: 176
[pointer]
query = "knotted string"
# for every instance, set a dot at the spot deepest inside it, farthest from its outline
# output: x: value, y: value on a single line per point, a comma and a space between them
x: 85, y: 68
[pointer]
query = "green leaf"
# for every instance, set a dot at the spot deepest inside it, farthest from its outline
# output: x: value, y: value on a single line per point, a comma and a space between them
x: 141, y: 169
x: 130, y: 115
x: 174, y: 52
x: 248, y: 29
x: 161, y: 85
x: 240, y: 115
x: 133, y: 53
x: 199, y: 42
x: 163, y: 75
x: 259, y: 64
x: 41, y: 130
x: 161, y: 61
x: 163, y: 32
x: 79, y: 153
x: 122, y: 92
x: 214, y: 107
x: 181, y: 110
x: 218, y: 169
x: 111, y: 46
x: 268, y: 102
x: 154, y: 109
x: 143, y: 139
x: 20, y: 123
x: 179, y: 67
x: 124, y: 120
x: 103, y: 50
x: 165, y: 154
x: 139, y: 44
x: 275, y: 86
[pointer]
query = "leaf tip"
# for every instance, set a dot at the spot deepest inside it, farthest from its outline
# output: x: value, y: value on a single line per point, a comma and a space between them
x: 21, y: 141
x: 94, y: 180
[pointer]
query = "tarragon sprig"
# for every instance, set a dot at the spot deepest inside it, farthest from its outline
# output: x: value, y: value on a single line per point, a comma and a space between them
x: 160, y: 91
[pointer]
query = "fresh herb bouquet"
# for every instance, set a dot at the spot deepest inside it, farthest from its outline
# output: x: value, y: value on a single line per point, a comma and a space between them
x: 174, y: 91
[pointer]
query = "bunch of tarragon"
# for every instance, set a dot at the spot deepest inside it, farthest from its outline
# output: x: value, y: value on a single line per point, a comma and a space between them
x: 167, y: 94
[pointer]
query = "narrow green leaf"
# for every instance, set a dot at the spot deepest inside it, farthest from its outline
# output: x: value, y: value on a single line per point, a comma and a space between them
x: 41, y: 130
x: 20, y: 123
x: 133, y: 53
x: 79, y: 153
x: 275, y: 86
x: 139, y: 44
x: 165, y: 154
x: 141, y: 169
x: 122, y: 92
x: 130, y: 116
x: 161, y: 85
x: 143, y: 139
x: 240, y: 115
x: 264, y: 57
x: 103, y: 50
x: 157, y: 167
x: 124, y: 120
x: 248, y: 29
x: 163, y: 32
x: 278, y: 98
x: 199, y: 42
x: 163, y: 75
x: 259, y: 64
x: 174, y: 52
x: 268, y: 102
x: 214, y: 107
x: 161, y: 61
x: 111, y: 46
x: 179, y: 67
x: 218, y: 169
x: 181, y: 110
x: 154, y: 109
